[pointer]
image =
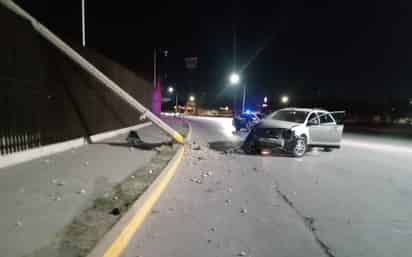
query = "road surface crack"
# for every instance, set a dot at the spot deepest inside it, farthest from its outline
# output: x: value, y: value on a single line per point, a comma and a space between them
x: 309, y: 224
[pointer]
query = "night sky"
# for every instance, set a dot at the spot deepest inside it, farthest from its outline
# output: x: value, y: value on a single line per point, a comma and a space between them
x: 330, y: 53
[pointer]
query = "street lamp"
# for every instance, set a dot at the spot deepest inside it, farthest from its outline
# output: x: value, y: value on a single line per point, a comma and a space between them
x: 234, y: 78
x: 192, y: 98
x: 265, y: 99
x: 284, y: 99
x: 171, y: 90
x: 83, y: 23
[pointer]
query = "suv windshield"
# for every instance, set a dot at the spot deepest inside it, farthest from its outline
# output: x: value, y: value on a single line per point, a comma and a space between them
x: 290, y: 116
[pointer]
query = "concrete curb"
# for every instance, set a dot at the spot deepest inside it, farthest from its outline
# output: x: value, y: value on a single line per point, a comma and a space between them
x: 117, y: 239
x: 35, y: 153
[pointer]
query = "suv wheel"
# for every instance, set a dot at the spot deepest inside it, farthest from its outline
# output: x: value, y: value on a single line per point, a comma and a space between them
x: 300, y: 147
x: 249, y: 146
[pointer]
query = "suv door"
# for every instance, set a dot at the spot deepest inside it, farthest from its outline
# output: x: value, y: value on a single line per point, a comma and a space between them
x: 315, y: 131
x: 327, y: 133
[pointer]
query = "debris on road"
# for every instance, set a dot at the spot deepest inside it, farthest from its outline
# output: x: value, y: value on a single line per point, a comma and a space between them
x: 82, y: 192
x: 243, y: 211
x: 132, y: 176
x: 115, y: 211
x: 154, y: 211
x: 242, y: 253
x: 196, y: 180
x: 228, y: 201
x: 61, y: 183
x: 197, y: 148
x: 57, y: 198
x: 213, y: 229
x: 19, y: 223
x: 150, y: 171
x: 115, y: 198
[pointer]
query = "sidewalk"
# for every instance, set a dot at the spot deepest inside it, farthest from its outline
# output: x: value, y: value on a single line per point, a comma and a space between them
x: 40, y: 198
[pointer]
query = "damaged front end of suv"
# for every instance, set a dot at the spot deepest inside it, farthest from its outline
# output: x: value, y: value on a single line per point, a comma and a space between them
x: 284, y: 139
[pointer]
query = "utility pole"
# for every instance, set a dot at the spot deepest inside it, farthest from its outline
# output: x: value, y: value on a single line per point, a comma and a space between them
x: 177, y: 106
x: 83, y: 23
x: 154, y: 68
x: 244, y: 97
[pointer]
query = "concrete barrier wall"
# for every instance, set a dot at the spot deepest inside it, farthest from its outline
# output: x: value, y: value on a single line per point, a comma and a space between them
x: 45, y: 98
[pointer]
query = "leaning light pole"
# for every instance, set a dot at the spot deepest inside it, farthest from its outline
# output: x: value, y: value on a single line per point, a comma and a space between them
x: 72, y: 54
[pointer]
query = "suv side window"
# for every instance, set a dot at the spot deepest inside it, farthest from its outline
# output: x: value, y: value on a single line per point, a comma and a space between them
x: 313, y: 118
x: 325, y: 118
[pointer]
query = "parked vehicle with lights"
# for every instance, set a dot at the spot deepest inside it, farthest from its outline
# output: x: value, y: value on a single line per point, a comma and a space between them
x: 295, y: 130
x: 246, y: 120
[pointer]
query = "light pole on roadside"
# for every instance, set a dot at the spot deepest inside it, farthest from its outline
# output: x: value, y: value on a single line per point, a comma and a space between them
x: 284, y: 99
x: 234, y: 80
x: 171, y: 90
x: 84, y: 23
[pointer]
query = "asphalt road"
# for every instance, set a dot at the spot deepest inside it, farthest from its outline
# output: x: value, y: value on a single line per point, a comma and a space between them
x: 350, y: 202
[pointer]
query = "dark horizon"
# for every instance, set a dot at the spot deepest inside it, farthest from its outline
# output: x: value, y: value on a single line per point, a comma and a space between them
x: 328, y: 53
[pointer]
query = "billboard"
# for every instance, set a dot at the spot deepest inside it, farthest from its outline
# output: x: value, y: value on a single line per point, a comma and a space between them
x: 191, y: 63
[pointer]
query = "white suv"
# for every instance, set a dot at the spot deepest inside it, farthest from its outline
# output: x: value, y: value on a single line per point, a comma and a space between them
x: 294, y: 130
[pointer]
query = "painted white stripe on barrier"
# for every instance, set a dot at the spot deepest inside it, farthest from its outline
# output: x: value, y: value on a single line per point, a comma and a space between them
x: 36, y: 153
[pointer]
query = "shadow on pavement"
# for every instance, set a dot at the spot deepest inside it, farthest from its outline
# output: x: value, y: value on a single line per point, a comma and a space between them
x: 141, y: 146
x: 226, y: 146
x: 231, y: 147
x: 134, y: 140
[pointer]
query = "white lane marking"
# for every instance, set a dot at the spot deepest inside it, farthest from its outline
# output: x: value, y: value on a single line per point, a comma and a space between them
x: 378, y: 146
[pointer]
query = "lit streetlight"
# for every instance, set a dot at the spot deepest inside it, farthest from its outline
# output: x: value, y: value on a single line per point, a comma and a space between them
x: 171, y: 90
x: 234, y: 78
x: 265, y: 99
x: 192, y: 98
x: 284, y: 99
